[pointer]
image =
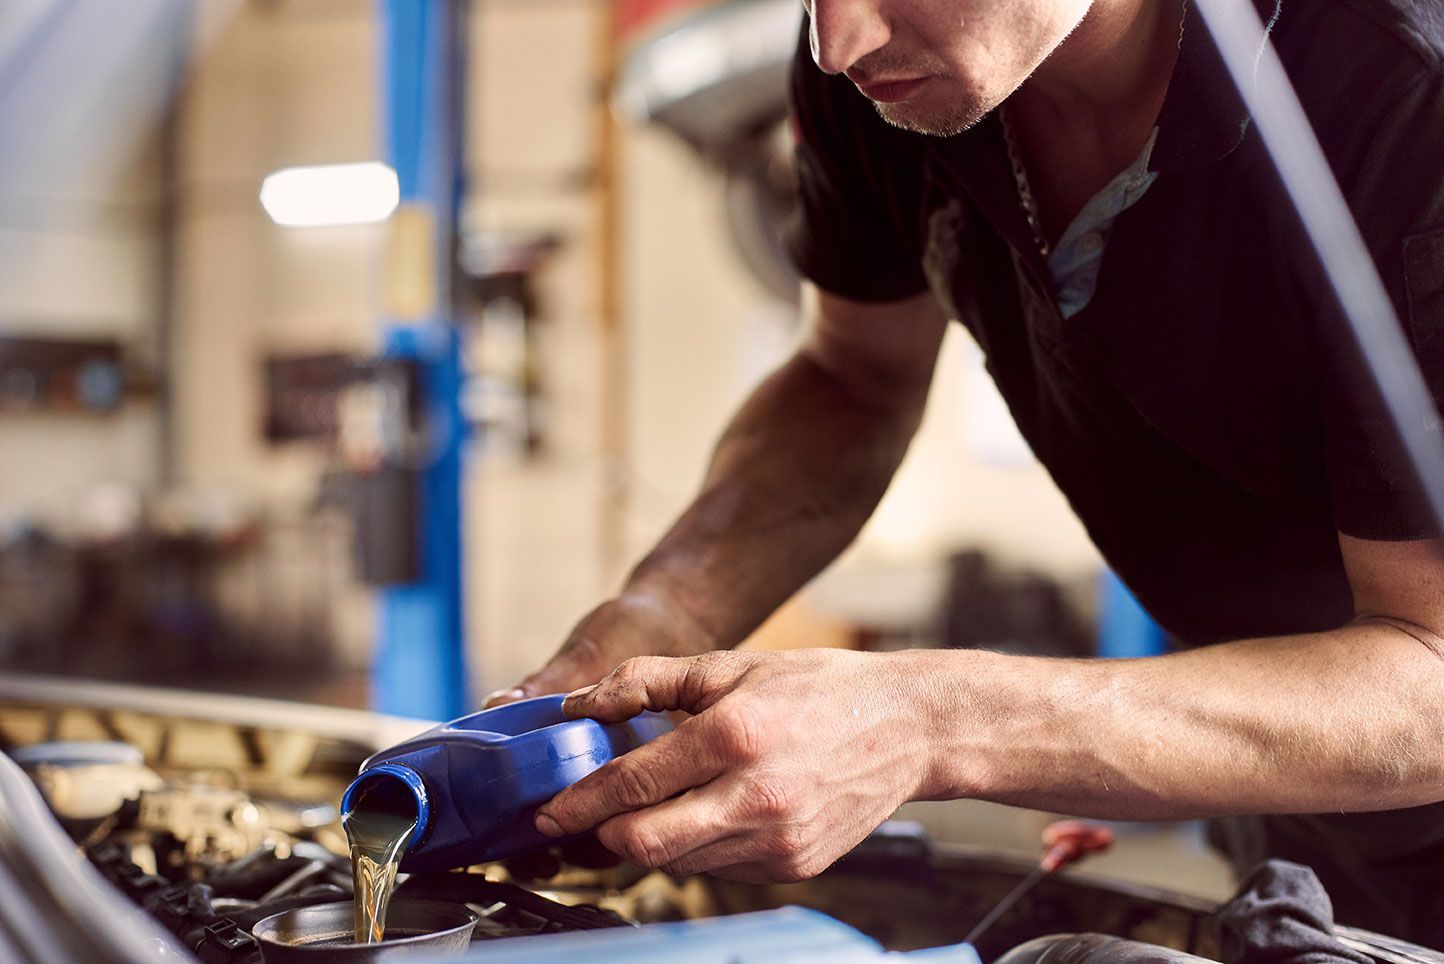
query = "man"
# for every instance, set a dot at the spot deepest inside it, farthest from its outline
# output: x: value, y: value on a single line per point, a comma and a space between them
x: 1114, y: 238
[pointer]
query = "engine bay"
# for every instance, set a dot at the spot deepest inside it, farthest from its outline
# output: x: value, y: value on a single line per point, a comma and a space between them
x: 210, y: 814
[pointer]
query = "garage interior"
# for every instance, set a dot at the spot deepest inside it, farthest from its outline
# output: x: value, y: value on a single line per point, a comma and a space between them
x: 348, y: 360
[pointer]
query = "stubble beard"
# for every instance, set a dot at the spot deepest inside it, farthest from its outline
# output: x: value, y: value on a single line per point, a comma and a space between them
x: 946, y: 121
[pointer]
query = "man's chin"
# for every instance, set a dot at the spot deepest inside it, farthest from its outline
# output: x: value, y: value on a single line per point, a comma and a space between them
x: 933, y: 121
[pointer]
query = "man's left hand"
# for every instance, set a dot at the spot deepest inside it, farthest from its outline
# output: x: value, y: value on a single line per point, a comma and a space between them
x: 787, y: 762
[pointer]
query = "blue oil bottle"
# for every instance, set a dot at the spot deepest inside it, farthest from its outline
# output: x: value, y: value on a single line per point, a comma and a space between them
x: 476, y: 783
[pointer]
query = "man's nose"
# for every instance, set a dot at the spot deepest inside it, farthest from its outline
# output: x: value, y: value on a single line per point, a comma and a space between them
x: 842, y: 32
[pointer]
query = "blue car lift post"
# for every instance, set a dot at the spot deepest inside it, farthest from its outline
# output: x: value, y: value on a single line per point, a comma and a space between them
x: 419, y: 668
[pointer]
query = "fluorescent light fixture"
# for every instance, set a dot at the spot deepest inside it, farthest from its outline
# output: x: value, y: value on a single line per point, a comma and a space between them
x: 330, y: 194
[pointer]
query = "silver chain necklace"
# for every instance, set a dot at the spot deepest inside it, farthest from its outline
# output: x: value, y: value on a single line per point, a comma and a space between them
x: 1026, y: 198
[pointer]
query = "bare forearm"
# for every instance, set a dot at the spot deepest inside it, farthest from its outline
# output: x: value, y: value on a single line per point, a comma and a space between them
x: 792, y: 481
x: 1344, y: 721
x: 795, y: 476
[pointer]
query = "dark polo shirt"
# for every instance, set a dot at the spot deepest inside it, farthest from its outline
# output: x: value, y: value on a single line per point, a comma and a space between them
x: 1206, y: 414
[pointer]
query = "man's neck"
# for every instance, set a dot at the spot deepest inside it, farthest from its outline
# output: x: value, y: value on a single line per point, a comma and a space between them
x: 1112, y: 68
x: 1084, y: 116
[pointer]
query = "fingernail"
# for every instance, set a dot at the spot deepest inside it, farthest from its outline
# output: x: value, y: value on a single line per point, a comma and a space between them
x: 510, y: 695
x: 575, y: 695
x: 548, y: 825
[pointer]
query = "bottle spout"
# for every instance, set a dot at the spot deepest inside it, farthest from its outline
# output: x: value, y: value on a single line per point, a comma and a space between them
x: 389, y: 791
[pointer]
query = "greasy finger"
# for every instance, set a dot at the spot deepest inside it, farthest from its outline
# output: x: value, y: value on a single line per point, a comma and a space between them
x: 667, y: 765
x: 658, y: 683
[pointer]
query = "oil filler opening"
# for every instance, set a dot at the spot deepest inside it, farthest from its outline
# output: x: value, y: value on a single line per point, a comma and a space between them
x: 385, y: 799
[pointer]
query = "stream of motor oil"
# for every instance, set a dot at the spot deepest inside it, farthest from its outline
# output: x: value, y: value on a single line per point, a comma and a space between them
x: 377, y: 827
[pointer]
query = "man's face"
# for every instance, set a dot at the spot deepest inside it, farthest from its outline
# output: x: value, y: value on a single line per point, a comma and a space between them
x: 938, y: 66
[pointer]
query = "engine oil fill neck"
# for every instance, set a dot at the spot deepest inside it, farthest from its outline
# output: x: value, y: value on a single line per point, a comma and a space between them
x: 383, y: 815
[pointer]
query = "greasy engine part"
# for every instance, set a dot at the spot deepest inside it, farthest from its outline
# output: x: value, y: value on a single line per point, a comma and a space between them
x: 211, y: 825
x: 89, y: 786
x: 101, y: 789
x: 192, y: 911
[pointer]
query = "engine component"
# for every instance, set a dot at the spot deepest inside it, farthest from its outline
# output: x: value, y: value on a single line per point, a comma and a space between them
x: 214, y: 824
x: 414, y: 927
x: 86, y: 784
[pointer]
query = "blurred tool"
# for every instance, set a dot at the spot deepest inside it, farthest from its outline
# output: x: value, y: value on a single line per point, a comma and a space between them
x: 1067, y: 842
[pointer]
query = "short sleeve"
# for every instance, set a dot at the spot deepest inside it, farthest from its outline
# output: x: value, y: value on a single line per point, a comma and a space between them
x: 1395, y: 186
x: 855, y: 233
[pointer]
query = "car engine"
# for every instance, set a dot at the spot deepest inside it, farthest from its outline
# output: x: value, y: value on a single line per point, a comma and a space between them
x: 209, y: 814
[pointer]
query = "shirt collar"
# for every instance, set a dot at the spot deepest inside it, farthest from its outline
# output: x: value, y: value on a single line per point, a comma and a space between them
x: 1203, y: 119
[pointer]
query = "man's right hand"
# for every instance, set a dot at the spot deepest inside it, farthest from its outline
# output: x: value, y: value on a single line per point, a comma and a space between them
x: 617, y: 630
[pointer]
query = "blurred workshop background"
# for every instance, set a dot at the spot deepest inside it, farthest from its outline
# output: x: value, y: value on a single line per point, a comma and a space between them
x: 191, y: 406
x: 351, y: 351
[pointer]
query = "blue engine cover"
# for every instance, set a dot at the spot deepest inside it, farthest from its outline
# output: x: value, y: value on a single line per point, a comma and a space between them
x: 480, y: 779
x: 791, y: 934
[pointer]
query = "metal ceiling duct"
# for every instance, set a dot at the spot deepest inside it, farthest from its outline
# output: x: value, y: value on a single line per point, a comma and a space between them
x: 714, y: 77
x: 717, y: 78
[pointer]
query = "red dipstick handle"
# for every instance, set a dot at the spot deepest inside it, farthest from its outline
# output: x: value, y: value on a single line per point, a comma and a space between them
x: 1069, y: 841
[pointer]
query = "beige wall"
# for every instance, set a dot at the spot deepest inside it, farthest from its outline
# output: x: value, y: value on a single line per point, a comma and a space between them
x: 77, y: 260
x: 281, y: 86
x: 79, y: 232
